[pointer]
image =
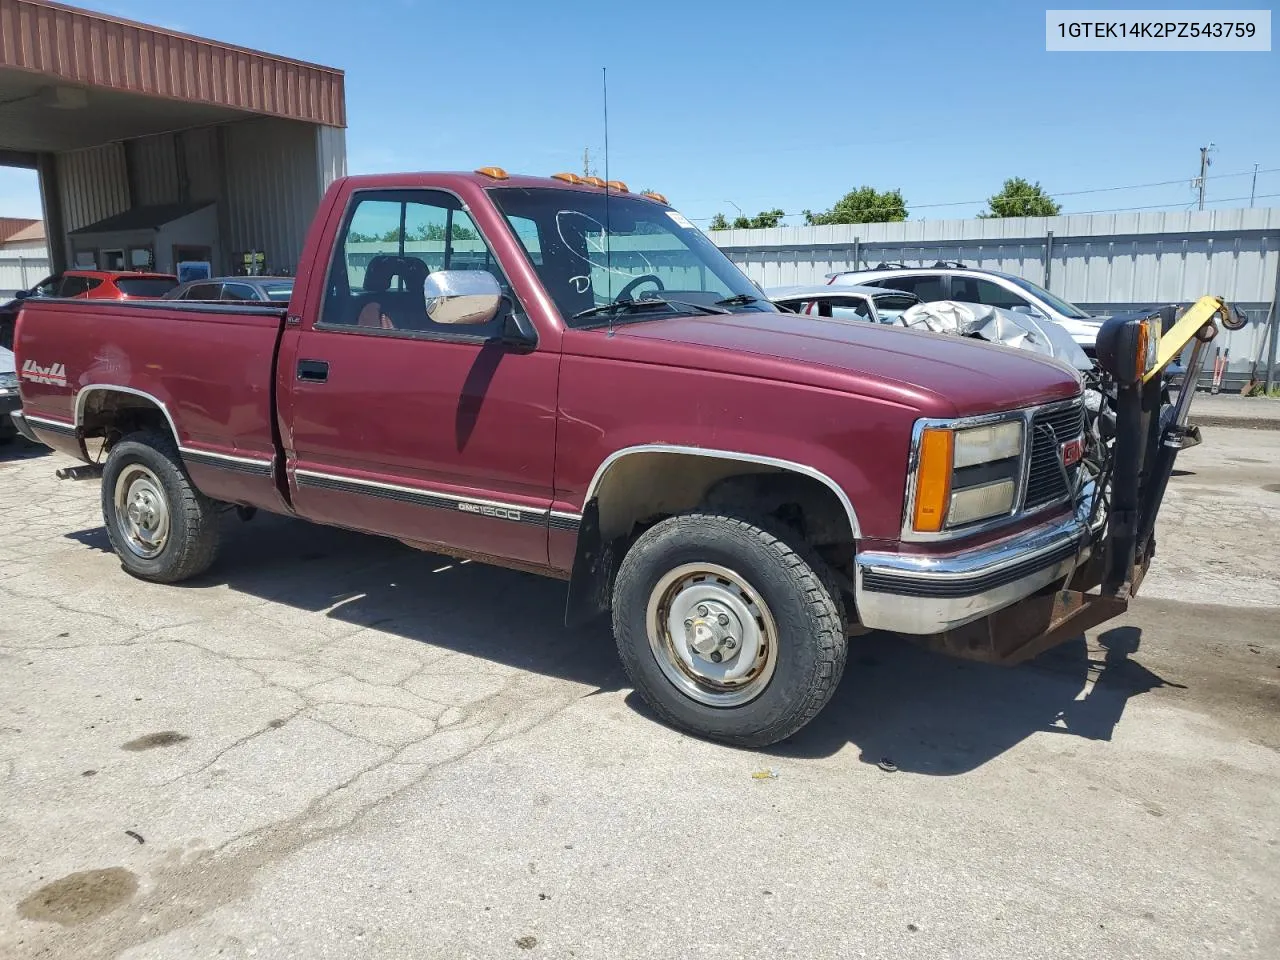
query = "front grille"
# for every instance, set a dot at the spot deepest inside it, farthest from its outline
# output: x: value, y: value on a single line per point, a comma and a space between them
x: 1045, y: 482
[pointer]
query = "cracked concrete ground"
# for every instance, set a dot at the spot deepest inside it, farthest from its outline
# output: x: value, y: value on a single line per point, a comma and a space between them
x: 335, y: 747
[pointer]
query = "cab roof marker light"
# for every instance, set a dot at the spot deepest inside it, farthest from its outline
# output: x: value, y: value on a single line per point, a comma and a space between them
x: 495, y: 173
x: 654, y: 195
x: 567, y: 177
x: 594, y: 181
x: 617, y: 185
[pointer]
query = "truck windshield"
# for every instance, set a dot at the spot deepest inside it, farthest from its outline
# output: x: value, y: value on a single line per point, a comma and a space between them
x: 589, y: 254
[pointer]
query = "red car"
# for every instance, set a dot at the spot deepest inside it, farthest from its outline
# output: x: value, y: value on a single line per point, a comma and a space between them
x: 88, y: 285
x: 562, y: 377
x: 104, y: 285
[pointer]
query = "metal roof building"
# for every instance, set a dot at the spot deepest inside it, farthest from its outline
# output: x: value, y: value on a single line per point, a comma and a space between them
x: 118, y: 116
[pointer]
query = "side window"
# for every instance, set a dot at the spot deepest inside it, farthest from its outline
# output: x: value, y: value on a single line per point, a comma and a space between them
x: 928, y: 287
x: 389, y: 244
x: 203, y: 291
x: 976, y: 290
x: 845, y: 308
x: 73, y: 286
x: 48, y: 287
x: 238, y: 291
x: 92, y: 283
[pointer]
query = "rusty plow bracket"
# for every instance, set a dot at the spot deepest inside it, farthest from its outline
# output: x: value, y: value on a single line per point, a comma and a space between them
x: 1029, y: 628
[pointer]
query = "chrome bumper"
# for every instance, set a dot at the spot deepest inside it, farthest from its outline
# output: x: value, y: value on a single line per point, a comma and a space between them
x: 922, y: 594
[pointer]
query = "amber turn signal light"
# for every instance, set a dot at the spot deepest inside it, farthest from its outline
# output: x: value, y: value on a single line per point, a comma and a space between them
x: 933, y: 481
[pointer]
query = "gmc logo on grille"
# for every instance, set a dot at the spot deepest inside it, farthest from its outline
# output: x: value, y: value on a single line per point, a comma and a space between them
x: 1072, y: 451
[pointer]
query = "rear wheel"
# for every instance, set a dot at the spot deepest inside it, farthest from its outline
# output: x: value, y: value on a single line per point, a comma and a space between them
x: 728, y: 629
x: 161, y: 527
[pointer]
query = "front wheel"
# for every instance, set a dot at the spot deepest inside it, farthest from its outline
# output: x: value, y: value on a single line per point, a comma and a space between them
x: 728, y: 630
x: 161, y: 527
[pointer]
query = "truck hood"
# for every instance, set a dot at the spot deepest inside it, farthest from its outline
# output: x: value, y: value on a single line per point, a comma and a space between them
x: 940, y: 376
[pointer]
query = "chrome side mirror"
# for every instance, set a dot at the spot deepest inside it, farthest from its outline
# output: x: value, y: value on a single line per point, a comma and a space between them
x: 465, y: 298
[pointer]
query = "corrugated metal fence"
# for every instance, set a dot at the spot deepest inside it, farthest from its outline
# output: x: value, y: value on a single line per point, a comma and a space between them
x: 21, y: 273
x: 1102, y: 262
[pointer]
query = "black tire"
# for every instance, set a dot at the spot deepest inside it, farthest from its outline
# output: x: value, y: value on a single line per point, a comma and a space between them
x: 792, y: 581
x: 194, y: 531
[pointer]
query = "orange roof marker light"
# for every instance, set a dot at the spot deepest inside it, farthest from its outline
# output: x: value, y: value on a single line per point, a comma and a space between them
x: 567, y: 177
x: 617, y: 185
x: 594, y: 181
x: 497, y: 173
x: 654, y: 195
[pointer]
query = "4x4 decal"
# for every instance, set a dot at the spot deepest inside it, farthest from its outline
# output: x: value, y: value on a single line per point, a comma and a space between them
x: 55, y: 374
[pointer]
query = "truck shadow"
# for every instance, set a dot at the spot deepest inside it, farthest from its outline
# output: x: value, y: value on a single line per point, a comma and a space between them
x: 18, y: 448
x: 923, y: 712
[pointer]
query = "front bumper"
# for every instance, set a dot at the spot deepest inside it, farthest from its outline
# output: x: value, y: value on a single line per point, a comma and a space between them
x: 924, y: 594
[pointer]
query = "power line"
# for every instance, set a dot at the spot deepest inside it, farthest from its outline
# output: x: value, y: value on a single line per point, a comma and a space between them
x: 1064, y: 193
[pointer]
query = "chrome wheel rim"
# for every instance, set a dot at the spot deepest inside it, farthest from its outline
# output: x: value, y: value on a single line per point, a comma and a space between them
x: 142, y: 512
x: 712, y: 634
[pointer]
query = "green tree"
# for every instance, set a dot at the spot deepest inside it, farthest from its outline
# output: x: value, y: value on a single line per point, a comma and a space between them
x: 1019, y: 198
x: 763, y: 219
x: 863, y: 205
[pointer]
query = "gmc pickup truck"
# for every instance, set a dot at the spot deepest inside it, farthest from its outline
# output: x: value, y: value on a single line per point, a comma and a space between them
x: 568, y: 378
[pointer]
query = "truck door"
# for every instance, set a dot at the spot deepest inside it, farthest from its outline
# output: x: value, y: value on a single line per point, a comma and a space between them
x: 401, y: 426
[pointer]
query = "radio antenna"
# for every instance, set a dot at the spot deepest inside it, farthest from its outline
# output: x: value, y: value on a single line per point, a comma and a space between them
x: 608, y: 242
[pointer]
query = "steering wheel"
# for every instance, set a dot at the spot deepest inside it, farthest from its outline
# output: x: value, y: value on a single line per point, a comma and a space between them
x: 625, y: 292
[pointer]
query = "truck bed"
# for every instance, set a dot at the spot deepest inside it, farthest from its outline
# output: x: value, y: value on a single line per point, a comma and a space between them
x: 74, y: 356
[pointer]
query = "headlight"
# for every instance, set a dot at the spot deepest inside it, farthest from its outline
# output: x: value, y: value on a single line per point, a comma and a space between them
x: 966, y: 475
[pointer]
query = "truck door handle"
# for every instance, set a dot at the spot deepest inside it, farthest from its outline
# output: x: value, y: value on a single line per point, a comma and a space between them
x: 313, y: 371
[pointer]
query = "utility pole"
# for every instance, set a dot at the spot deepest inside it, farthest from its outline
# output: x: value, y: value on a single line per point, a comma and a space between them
x: 1254, y: 187
x: 1198, y: 183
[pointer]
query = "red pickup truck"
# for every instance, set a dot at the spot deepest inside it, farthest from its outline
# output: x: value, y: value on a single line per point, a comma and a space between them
x: 564, y: 377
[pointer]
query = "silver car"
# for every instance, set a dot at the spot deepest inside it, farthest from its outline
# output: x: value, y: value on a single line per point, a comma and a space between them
x: 955, y: 281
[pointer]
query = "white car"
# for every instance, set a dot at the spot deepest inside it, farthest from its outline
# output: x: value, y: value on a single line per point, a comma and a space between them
x: 954, y: 281
x: 869, y: 304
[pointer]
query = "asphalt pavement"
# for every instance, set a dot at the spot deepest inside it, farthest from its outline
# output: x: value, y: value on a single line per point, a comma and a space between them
x: 333, y: 746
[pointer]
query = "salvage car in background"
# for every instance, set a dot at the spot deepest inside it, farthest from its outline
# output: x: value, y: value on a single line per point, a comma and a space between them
x: 870, y: 304
x: 9, y: 400
x: 86, y: 285
x: 954, y: 281
x: 252, y: 289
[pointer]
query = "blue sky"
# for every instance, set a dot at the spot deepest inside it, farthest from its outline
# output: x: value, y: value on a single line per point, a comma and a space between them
x: 764, y: 104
